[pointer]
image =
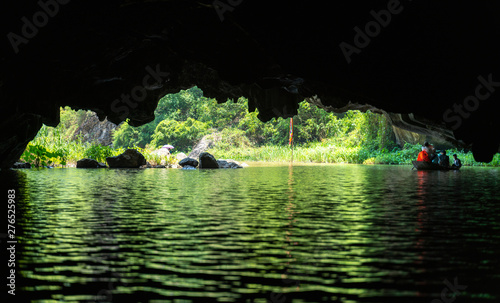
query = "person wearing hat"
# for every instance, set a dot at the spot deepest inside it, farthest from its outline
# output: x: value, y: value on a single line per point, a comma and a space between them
x: 443, y: 159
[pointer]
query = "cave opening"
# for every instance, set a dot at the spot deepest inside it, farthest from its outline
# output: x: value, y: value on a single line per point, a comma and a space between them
x: 188, y: 123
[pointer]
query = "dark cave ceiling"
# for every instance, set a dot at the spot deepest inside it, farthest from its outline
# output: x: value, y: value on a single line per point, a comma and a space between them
x: 431, y: 67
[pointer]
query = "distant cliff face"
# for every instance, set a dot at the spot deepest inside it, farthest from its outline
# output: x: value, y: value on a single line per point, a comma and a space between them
x: 434, y: 69
x: 94, y: 131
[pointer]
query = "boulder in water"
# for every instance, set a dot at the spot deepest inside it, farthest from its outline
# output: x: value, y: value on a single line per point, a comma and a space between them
x: 130, y: 158
x: 228, y: 164
x: 188, y: 161
x: 89, y: 163
x: 207, y: 161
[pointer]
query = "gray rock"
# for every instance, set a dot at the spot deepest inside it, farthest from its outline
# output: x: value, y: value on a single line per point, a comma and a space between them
x: 159, y: 166
x: 21, y: 165
x: 89, y: 163
x: 234, y: 165
x: 189, y: 167
x: 205, y: 143
x: 223, y: 163
x: 188, y: 161
x: 130, y: 158
x: 180, y: 156
x: 92, y: 130
x: 207, y: 161
x: 228, y: 164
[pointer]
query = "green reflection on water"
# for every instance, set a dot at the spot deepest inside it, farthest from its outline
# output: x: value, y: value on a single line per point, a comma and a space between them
x: 350, y: 231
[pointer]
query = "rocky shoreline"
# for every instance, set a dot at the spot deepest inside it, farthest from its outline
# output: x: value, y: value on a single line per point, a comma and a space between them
x: 132, y: 158
x: 208, y: 161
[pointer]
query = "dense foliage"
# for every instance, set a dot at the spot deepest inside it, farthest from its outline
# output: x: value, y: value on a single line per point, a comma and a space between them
x: 182, y: 119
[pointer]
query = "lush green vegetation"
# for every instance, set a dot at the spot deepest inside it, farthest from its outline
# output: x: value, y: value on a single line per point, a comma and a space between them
x: 183, y: 119
x: 56, y: 146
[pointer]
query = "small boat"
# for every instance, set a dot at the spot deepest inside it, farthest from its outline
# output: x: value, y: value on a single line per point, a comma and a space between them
x: 422, y: 165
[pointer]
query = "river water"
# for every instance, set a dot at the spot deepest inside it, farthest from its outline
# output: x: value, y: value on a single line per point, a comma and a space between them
x: 312, y: 233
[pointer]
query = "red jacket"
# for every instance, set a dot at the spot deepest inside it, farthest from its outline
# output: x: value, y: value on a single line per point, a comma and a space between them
x: 423, y: 156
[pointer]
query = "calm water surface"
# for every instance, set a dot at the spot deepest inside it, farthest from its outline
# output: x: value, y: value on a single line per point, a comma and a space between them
x: 330, y: 233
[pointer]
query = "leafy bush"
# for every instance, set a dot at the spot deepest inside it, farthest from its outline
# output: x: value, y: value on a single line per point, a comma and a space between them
x: 252, y: 127
x: 37, y: 155
x: 157, y: 159
x: 127, y: 136
x: 230, y: 138
x: 98, y: 152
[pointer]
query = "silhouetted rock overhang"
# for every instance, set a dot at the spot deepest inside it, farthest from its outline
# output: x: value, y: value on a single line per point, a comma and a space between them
x: 431, y: 67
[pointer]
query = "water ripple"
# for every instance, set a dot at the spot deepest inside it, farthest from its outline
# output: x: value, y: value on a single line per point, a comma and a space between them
x: 305, y: 233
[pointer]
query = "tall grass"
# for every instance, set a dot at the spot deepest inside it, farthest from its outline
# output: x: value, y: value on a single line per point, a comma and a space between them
x: 321, y: 153
x: 300, y: 154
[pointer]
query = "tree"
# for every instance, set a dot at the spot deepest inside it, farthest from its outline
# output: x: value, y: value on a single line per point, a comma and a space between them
x: 253, y: 128
x: 183, y: 135
x: 126, y: 136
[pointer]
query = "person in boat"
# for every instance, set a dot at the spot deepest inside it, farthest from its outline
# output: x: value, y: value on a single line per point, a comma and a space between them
x: 443, y: 159
x: 424, y: 154
x: 456, y: 162
x: 434, y: 158
x: 431, y: 151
